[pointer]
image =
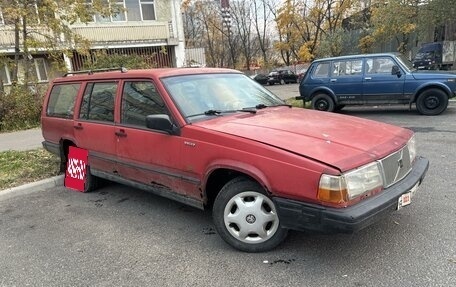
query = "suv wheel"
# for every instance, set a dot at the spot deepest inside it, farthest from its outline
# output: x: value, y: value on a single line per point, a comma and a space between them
x: 246, y: 218
x: 282, y: 81
x: 432, y: 102
x: 323, y: 102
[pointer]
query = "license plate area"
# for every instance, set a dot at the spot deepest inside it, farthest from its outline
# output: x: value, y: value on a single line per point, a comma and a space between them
x: 406, y: 198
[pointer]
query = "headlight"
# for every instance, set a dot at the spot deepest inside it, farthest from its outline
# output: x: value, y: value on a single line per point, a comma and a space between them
x: 343, y: 188
x: 412, y: 148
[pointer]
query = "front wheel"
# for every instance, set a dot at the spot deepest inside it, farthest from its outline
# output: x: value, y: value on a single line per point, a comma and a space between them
x: 432, y: 102
x: 323, y: 102
x: 246, y: 218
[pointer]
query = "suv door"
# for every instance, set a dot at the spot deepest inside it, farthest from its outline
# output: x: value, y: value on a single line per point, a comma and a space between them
x: 94, y: 127
x: 380, y: 85
x: 346, y: 80
x: 147, y: 156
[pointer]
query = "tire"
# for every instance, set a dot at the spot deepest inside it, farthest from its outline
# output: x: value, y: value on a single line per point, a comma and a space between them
x: 282, y: 81
x: 323, y: 102
x: 246, y: 218
x: 432, y: 102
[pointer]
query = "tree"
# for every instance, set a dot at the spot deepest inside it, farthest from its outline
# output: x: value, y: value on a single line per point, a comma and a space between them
x: 395, y: 20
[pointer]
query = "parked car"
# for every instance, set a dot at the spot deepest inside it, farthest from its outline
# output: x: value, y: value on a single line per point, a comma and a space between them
x: 214, y: 139
x: 282, y: 76
x: 260, y: 78
x: 374, y: 79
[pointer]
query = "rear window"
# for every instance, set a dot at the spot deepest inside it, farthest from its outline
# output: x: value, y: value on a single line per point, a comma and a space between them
x: 61, y: 100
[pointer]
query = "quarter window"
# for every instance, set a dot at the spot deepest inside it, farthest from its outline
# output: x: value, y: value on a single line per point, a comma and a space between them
x: 98, y: 102
x: 140, y: 99
x: 321, y: 70
x: 61, y: 100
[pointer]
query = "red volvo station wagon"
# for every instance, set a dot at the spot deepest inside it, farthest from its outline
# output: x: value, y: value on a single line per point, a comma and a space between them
x: 215, y: 139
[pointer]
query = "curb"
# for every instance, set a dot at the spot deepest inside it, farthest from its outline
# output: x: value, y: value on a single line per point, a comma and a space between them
x: 32, y: 187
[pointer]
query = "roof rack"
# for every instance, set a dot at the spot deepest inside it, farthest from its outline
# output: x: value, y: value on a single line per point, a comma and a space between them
x: 90, y: 72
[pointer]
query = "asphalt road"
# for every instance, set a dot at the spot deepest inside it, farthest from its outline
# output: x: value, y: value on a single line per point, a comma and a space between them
x: 119, y: 236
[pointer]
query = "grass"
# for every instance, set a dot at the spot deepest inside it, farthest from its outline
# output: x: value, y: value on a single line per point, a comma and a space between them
x: 20, y: 167
x: 297, y: 103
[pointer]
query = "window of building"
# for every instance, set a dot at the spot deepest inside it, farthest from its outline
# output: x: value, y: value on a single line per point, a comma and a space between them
x: 147, y: 9
x: 41, y: 71
x: 140, y: 99
x: 2, y: 22
x: 98, y: 102
x: 5, y: 75
x: 120, y: 16
x: 61, y: 100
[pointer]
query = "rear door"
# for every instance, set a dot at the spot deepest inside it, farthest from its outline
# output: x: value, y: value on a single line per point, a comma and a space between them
x: 379, y: 85
x: 94, y: 127
x: 346, y: 80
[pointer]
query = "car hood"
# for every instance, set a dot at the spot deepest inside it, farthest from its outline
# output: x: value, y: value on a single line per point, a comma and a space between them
x: 431, y: 74
x: 343, y: 142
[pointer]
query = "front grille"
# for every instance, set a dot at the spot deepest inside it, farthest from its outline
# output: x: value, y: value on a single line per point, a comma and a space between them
x: 396, y: 166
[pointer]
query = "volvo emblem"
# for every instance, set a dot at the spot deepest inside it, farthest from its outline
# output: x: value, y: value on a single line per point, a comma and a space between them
x: 250, y: 218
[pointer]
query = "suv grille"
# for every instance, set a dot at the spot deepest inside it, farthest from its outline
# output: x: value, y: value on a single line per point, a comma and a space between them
x: 396, y: 166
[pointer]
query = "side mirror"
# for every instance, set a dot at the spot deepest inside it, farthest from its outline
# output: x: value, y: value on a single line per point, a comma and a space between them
x: 396, y: 71
x: 161, y: 123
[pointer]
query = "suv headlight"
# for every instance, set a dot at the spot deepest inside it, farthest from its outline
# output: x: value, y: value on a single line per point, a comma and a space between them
x: 343, y: 188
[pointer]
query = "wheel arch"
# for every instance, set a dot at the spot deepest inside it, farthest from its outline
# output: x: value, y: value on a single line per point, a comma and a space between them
x: 426, y: 87
x: 64, y: 145
x: 323, y: 90
x: 220, y: 174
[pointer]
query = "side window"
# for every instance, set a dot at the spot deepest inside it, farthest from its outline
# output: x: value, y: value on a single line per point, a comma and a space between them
x: 321, y: 70
x: 140, y: 99
x: 98, y: 102
x: 379, y: 65
x: 346, y: 68
x: 61, y: 100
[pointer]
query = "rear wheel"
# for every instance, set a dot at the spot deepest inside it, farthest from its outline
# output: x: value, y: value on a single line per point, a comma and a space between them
x: 246, y: 218
x: 282, y: 81
x: 432, y: 102
x: 323, y: 102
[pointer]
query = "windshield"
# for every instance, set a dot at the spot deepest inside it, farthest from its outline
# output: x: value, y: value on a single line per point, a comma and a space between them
x: 205, y: 95
x: 405, y: 62
x: 424, y: 55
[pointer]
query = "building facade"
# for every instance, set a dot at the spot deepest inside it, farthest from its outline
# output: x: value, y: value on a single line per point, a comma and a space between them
x: 149, y: 28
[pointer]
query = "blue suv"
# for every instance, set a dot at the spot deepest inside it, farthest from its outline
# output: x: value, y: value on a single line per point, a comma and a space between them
x: 372, y: 79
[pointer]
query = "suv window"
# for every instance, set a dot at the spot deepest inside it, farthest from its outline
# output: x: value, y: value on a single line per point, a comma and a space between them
x: 321, y: 70
x: 140, y: 99
x: 379, y: 65
x: 346, y: 68
x: 98, y: 102
x: 61, y: 100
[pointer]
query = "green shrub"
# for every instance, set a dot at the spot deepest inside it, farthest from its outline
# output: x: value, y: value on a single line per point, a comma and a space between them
x: 20, y: 108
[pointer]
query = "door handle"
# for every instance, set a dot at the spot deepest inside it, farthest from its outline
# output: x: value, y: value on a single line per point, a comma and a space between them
x: 78, y: 126
x: 333, y: 80
x: 367, y: 78
x: 121, y: 133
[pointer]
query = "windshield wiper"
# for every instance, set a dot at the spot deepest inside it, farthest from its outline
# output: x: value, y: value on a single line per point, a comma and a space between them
x: 262, y: 106
x: 212, y: 112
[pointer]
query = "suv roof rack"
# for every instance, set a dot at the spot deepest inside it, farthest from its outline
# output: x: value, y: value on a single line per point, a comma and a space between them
x: 90, y: 72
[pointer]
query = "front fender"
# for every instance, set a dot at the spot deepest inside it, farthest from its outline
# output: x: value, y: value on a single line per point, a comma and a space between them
x: 242, y: 167
x: 430, y: 85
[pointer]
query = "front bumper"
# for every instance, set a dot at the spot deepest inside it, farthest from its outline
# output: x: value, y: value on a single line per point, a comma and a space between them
x: 298, y: 215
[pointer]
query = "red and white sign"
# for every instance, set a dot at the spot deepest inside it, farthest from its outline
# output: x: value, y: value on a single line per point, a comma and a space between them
x: 75, y: 176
